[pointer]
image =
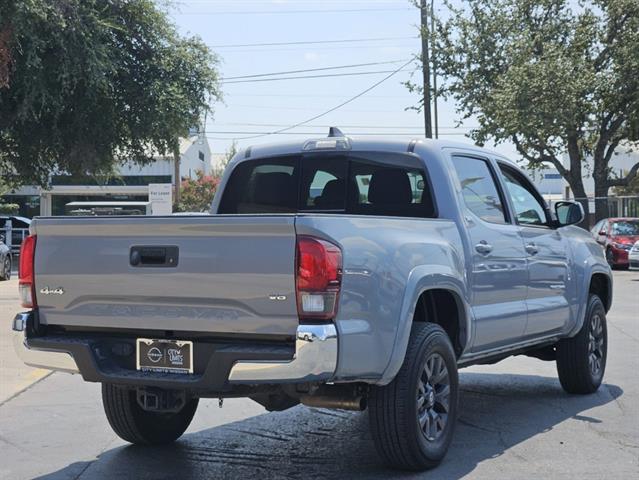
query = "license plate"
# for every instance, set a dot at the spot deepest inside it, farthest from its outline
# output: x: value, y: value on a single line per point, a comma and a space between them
x: 168, y: 356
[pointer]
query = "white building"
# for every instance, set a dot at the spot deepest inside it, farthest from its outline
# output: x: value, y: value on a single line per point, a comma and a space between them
x: 130, y: 183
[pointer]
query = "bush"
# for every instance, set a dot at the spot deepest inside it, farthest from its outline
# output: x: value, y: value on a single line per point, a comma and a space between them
x: 9, y: 208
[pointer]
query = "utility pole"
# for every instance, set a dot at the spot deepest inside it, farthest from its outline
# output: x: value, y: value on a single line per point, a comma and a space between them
x: 426, y: 69
x: 432, y: 29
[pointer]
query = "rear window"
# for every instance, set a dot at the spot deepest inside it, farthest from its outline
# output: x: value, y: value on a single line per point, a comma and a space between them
x: 363, y: 184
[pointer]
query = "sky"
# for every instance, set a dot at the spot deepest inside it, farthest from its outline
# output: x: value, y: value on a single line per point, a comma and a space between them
x: 377, y: 31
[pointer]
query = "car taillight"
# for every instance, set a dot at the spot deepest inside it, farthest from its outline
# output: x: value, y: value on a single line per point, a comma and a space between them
x: 26, y: 282
x: 319, y: 276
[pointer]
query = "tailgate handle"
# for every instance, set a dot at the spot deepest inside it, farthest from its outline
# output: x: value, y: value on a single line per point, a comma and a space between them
x: 154, y: 256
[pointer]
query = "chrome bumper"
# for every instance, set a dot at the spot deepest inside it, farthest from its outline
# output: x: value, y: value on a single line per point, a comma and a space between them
x: 61, y: 361
x: 315, y: 359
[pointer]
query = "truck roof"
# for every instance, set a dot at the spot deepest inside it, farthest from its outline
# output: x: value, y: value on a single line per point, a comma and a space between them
x: 360, y: 143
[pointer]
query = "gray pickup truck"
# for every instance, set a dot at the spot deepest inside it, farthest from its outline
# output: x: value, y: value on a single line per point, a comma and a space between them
x: 336, y: 273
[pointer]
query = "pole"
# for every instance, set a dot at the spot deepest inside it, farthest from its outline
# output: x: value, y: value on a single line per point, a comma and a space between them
x: 432, y: 29
x: 176, y: 173
x: 426, y: 69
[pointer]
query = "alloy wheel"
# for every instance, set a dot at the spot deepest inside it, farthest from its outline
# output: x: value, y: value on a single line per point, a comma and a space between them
x: 433, y: 397
x: 595, y: 345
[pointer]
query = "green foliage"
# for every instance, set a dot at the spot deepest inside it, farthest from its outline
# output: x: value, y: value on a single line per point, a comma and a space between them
x: 548, y: 78
x: 85, y: 84
x: 9, y: 208
x: 197, y: 195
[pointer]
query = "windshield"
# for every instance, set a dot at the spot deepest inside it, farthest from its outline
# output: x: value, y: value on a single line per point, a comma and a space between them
x: 626, y: 228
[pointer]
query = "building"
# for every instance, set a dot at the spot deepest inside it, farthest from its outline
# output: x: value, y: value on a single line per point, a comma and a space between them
x: 130, y: 183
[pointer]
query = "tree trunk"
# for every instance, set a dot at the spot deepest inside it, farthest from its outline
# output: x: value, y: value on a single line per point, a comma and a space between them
x: 575, y: 180
x: 600, y: 176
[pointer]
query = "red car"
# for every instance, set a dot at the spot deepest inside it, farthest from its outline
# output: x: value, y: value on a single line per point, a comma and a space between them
x: 617, y: 236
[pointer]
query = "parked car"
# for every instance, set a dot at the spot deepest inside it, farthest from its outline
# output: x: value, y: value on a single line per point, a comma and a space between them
x: 5, y: 260
x: 617, y: 236
x: 336, y: 273
x: 18, y: 228
x: 633, y: 255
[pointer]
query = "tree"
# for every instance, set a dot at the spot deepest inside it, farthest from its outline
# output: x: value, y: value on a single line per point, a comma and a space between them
x: 549, y: 79
x: 86, y: 84
x: 198, y: 194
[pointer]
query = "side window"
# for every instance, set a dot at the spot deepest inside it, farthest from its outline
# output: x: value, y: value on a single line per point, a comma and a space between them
x: 529, y: 208
x: 391, y: 189
x: 479, y: 189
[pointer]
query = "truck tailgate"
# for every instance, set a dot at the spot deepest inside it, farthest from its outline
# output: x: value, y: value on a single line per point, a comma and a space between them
x: 231, y: 274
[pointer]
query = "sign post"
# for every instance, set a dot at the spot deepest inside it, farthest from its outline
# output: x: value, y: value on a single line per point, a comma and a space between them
x: 161, y: 198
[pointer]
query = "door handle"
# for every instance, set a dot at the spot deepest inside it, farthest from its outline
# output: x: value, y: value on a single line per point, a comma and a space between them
x: 532, y: 249
x: 483, y: 247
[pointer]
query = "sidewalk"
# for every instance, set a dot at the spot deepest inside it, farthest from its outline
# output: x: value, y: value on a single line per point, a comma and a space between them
x: 14, y: 375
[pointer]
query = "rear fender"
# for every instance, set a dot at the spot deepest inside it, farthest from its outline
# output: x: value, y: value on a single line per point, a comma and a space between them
x: 421, y: 279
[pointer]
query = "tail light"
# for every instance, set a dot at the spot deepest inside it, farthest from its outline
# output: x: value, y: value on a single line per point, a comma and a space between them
x: 319, y: 276
x: 26, y: 283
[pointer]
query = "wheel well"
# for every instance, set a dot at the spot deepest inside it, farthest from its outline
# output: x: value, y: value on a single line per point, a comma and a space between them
x: 600, y: 285
x: 443, y: 308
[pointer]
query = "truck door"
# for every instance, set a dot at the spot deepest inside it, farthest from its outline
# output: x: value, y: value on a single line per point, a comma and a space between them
x: 497, y: 262
x: 546, y: 253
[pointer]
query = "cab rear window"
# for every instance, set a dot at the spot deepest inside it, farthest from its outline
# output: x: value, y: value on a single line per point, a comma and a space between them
x: 361, y: 184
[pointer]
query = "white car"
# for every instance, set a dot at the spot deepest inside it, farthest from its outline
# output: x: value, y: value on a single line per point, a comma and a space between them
x: 633, y: 255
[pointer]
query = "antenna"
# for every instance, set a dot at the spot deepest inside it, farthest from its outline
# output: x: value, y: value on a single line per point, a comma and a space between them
x: 335, y: 132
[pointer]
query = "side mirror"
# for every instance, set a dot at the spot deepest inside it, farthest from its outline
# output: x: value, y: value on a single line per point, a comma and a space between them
x: 569, y: 213
x: 602, y: 233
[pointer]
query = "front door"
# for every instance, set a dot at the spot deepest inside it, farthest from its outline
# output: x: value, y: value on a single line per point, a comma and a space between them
x: 498, y: 263
x: 547, y: 256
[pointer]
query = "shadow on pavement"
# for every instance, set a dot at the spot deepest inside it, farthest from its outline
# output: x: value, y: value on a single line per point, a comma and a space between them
x: 497, y: 412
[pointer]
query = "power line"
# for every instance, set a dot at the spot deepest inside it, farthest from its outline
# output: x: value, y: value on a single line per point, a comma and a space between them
x: 420, y: 127
x: 312, y: 42
x: 302, y: 77
x: 277, y: 12
x: 313, y: 69
x: 355, y: 97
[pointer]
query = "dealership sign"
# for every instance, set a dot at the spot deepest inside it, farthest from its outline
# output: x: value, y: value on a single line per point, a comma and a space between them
x: 161, y: 198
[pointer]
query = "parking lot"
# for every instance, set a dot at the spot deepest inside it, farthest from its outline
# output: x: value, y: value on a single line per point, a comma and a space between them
x: 515, y: 423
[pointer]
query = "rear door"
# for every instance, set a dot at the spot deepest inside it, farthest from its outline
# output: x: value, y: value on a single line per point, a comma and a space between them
x: 498, y: 275
x: 216, y: 274
x: 547, y: 255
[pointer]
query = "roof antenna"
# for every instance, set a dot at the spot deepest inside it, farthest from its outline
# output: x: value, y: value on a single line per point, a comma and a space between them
x: 335, y: 132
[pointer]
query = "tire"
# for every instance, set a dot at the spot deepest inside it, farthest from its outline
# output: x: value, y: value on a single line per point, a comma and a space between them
x: 5, y: 270
x: 610, y: 258
x: 581, y: 360
x: 135, y: 425
x: 395, y: 409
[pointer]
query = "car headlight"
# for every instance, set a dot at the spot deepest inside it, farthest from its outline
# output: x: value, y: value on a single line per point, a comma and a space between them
x: 622, y: 246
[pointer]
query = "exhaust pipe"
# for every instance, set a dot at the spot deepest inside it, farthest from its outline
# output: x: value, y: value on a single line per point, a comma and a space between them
x: 342, y: 403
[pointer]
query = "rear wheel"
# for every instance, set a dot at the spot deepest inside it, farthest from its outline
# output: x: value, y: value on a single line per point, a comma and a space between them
x: 135, y: 425
x: 581, y: 360
x: 412, y: 418
x: 610, y: 257
x: 5, y: 271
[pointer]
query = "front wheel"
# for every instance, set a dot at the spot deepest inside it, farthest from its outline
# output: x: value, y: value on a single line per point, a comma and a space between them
x: 135, y: 425
x: 581, y: 360
x: 412, y: 418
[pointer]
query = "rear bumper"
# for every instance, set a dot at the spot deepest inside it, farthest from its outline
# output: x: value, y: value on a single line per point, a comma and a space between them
x: 219, y: 366
x: 40, y: 358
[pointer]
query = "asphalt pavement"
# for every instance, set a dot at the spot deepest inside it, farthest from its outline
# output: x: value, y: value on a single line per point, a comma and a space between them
x: 515, y: 423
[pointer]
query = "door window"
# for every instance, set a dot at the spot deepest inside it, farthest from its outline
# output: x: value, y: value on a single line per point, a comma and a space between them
x: 529, y: 208
x: 479, y: 189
